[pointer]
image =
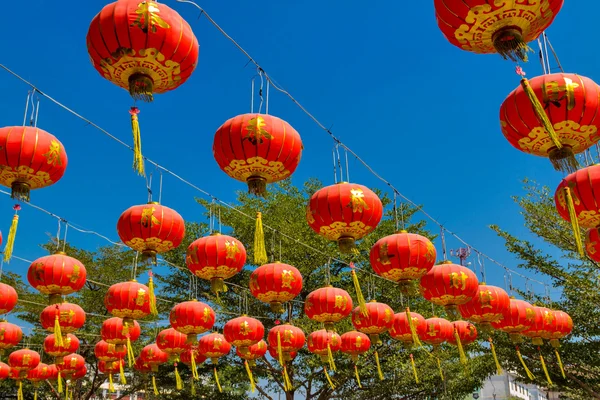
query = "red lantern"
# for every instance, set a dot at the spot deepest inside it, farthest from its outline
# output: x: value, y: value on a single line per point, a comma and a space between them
x: 110, y: 368
x: 52, y: 372
x: 78, y: 374
x: 487, y: 306
x: 53, y: 348
x: 257, y: 149
x: 558, y: 123
x: 38, y: 374
x: 10, y: 335
x: 153, y: 356
x: 253, y: 353
x: 243, y: 332
x: 171, y: 342
x: 4, y: 371
x: 344, y: 213
x: 378, y: 320
x: 151, y: 229
x: 23, y: 360
x: 542, y: 321
x: 56, y: 275
x: 215, y: 258
x: 286, y: 337
x: 32, y: 159
x: 213, y: 346
x: 289, y: 356
x: 401, y: 327
x: 592, y: 240
x: 485, y: 26
x: 192, y: 318
x: 70, y: 364
x: 324, y: 343
x: 275, y: 284
x: 354, y: 344
x: 449, y: 285
x: 141, y: 367
x: 558, y: 327
x: 186, y: 357
x: 70, y: 317
x: 8, y: 296
x: 328, y: 305
x: 466, y: 331
x: 116, y: 331
x: 105, y: 351
x: 438, y: 331
x: 519, y: 317
x: 129, y: 300
x: 402, y: 257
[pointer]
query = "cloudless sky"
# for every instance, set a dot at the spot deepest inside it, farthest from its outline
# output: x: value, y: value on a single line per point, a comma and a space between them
x: 421, y: 112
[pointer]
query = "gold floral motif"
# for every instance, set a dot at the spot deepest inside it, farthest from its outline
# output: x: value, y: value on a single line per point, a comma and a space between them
x: 67, y: 316
x: 128, y: 313
x: 273, y: 296
x: 309, y: 215
x: 358, y: 342
x: 254, y: 286
x: 340, y: 302
x: 67, y: 342
x: 430, y: 253
x: 148, y: 219
x: 485, y: 298
x: 357, y: 200
x: 449, y: 300
x: 328, y: 317
x: 288, y: 335
x: 205, y: 314
x: 405, y: 274
x: 529, y: 314
x: 458, y: 280
x: 217, y: 342
x: 111, y: 348
x: 431, y: 331
x: 23, y: 173
x: 231, y: 249
x: 54, y: 289
x: 356, y: 229
x: 245, y: 328
x: 74, y: 276
x: 256, y: 132
x: 271, y: 171
x: 140, y: 299
x: 153, y: 243
x: 308, y: 305
x: 591, y: 247
x: 486, y: 317
x: 372, y: 330
x: 147, y: 17
x: 553, y: 93
x: 53, y: 154
x: 384, y: 257
x: 548, y: 316
x: 26, y: 359
x: 210, y: 272
x: 388, y: 315
x: 287, y: 278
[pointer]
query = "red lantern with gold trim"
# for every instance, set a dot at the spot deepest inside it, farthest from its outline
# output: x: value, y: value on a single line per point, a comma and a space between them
x: 130, y: 300
x: 68, y: 316
x: 151, y: 229
x: 592, y: 244
x: 542, y: 321
x: 378, y: 320
x: 10, y: 335
x: 214, y: 346
x: 55, y: 348
x: 485, y: 26
x: 467, y: 333
x: 141, y: 367
x: 254, y: 352
x: 289, y: 356
x: 258, y: 149
x: 78, y: 374
x: 4, y: 371
x: 56, y: 275
x: 216, y: 258
x: 401, y: 327
x: 558, y: 328
x: 324, y: 343
x: 52, y: 372
x: 105, y: 351
x: 23, y: 360
x: 116, y: 331
x: 243, y: 332
x: 275, y: 284
x: 186, y: 357
x: 192, y: 318
x: 110, y: 368
x: 32, y: 159
x: 519, y: 317
x: 8, y: 296
x: 344, y: 213
x: 487, y: 306
x: 286, y: 337
x: 38, y: 374
x: 70, y: 363
x: 354, y: 344
x: 449, y: 285
x: 172, y: 342
x: 153, y: 356
x: 438, y: 331
x: 328, y: 305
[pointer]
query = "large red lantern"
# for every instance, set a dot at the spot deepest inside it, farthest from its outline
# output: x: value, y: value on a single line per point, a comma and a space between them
x: 8, y: 297
x: 344, y: 213
x: 68, y: 317
x: 23, y: 360
x: 286, y: 338
x: 355, y: 344
x: 129, y: 300
x: 402, y: 257
x: 558, y: 327
x: 378, y: 319
x: 257, y: 149
x: 449, y: 285
x: 408, y: 327
x: 214, y: 346
x: 519, y: 317
x: 328, y: 305
x: 275, y: 284
x: 192, y: 318
x: 243, y: 332
x: 542, y: 321
x: 438, y: 331
x: 4, y: 371
x: 10, y: 335
x: 56, y: 348
x: 151, y: 229
x: 172, y: 342
x: 216, y: 258
x: 324, y: 343
x: 503, y: 27
x: 56, y: 275
x: 554, y: 116
x: 487, y: 306
x: 31, y: 159
x: 153, y: 356
x: 105, y: 351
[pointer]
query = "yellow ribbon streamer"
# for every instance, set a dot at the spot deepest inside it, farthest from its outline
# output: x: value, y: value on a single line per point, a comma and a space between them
x: 260, y: 251
x: 287, y: 381
x: 560, y: 364
x: 545, y: 369
x: 461, y: 350
x: 361, y: 300
x: 414, y: 368
x: 527, y: 371
x: 178, y: 381
x: 493, y: 349
x: 279, y: 352
x: 138, y: 158
x: 574, y: 220
x: 153, y: 309
x: 57, y: 331
x: 330, y: 358
x: 111, y: 386
x: 122, y: 373
x: 194, y: 367
x: 413, y: 330
x: 379, y: 372
x: 328, y: 378
x: 217, y: 380
x: 357, y: 376
x: 60, y: 384
x: 439, y: 364
x: 10, y: 241
x: 250, y: 376
x: 154, y: 385
x: 540, y: 113
x: 193, y: 389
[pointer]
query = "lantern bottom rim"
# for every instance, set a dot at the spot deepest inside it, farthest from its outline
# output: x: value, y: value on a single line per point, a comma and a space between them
x: 20, y: 191
x: 509, y: 43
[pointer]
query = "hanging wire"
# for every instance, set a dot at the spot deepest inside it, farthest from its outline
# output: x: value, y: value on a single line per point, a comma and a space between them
x: 542, y: 56
x: 481, y: 268
x: 260, y: 90
x: 280, y: 256
x: 149, y: 187
x: 547, y: 41
x: 160, y: 186
x: 347, y: 168
x: 339, y: 162
x: 26, y: 107
x: 65, y: 237
x: 219, y: 209
x: 328, y: 272
x: 335, y: 175
x: 397, y: 224
x: 252, y: 95
x: 1, y: 267
x: 58, y: 235
x: 267, y: 100
x: 443, y: 243
x: 135, y: 265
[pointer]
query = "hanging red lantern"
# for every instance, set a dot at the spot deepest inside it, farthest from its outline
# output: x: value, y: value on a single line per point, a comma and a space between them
x: 141, y: 367
x: 324, y: 343
x: 519, y: 317
x: 172, y: 342
x: 592, y: 241
x: 214, y: 346
x: 216, y: 258
x: 558, y: 327
x: 130, y: 300
x: 408, y: 327
x: 484, y: 26
x: 257, y: 149
x: 253, y: 353
x: 487, y: 306
x: 56, y: 275
x: 70, y: 363
x: 153, y: 356
x: 449, y: 285
x: 344, y: 213
x: 275, y: 284
x: 192, y: 318
x: 286, y: 337
x: 354, y: 344
x: 438, y: 331
x: 32, y: 159
x: 151, y: 229
x: 402, y: 257
x: 105, y: 351
x: 186, y: 357
x: 328, y: 305
x: 4, y: 371
x: 289, y: 356
x: 8, y: 296
x: 23, y: 360
x: 52, y: 372
x: 80, y: 373
x: 378, y: 320
x: 243, y: 332
x: 466, y: 331
x: 542, y: 321
x: 111, y: 368
x: 10, y: 335
x: 68, y: 317
x: 55, y: 348
x: 553, y: 115
x: 37, y: 375
x: 116, y: 331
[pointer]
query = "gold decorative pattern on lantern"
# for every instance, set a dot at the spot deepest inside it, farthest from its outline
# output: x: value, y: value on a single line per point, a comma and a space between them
x: 273, y: 296
x: 309, y: 215
x: 358, y: 342
x: 529, y: 314
x: 245, y: 328
x: 357, y: 200
x: 254, y: 286
x: 217, y: 342
x: 431, y: 331
x: 153, y: 244
x: 288, y: 335
x: 570, y: 133
x: 256, y: 132
x: 271, y: 171
x: 485, y: 298
x: 67, y: 316
x: 553, y: 92
x: 339, y: 229
x: 448, y: 299
x: 430, y: 254
x: 397, y: 275
x: 287, y: 278
x: 222, y: 271
x: 231, y: 249
x: 147, y: 17
x: 388, y: 315
x: 548, y: 316
x: 53, y: 154
x: 23, y: 173
x: 458, y: 280
x: 148, y: 219
x: 128, y: 313
x: 340, y: 302
x: 328, y: 317
x: 140, y: 298
x: 74, y: 276
x: 206, y: 314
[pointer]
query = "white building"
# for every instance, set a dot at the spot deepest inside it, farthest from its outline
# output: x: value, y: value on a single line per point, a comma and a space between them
x: 506, y: 386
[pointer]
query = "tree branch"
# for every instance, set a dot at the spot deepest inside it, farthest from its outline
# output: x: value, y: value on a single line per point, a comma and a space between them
x: 261, y: 391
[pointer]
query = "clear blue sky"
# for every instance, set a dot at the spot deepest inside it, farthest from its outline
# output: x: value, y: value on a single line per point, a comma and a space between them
x: 423, y: 113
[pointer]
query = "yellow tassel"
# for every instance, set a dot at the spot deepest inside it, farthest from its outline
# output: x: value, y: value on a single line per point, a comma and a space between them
x: 10, y: 241
x: 67, y: 392
x: 178, y: 381
x: 217, y: 380
x: 493, y: 349
x: 378, y: 366
x: 111, y: 386
x: 461, y: 350
x: 359, y: 295
x: 194, y: 367
x: 130, y: 355
x: 357, y: 376
x: 60, y: 384
x: 35, y: 395
x: 138, y: 159
x: 574, y: 220
x: 560, y: 364
x: 193, y: 387
x: 287, y: 381
x: 154, y: 385
x: 545, y: 369
x: 250, y: 376
x: 540, y: 113
x: 414, y: 368
x: 57, y: 331
x: 527, y: 371
x: 260, y: 252
x: 279, y: 352
x: 153, y: 309
x: 330, y: 358
x: 20, y: 392
x: 122, y: 373
x: 413, y: 330
x: 328, y: 378
x: 439, y: 363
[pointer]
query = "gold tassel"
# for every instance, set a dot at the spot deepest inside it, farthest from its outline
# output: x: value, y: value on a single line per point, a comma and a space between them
x: 67, y: 392
x: 493, y: 349
x: 217, y: 380
x: 153, y: 309
x: 574, y: 220
x: 130, y: 355
x: 260, y: 252
x: 194, y: 367
x: 20, y: 392
x: 193, y: 387
x: 439, y: 363
x: 378, y: 366
x: 138, y: 159
x: 330, y: 358
x: 540, y: 113
x: 35, y: 395
x: 178, y: 381
x: 357, y: 376
x: 111, y: 386
x: 560, y: 364
x: 413, y: 330
x: 122, y: 373
x: 154, y: 385
x: 57, y: 331
x: 328, y: 378
x: 249, y: 372
x: 10, y: 241
x: 461, y: 350
x: 527, y: 371
x: 60, y: 384
x: 414, y: 368
x: 287, y: 381
x: 359, y: 295
x: 545, y: 369
x: 279, y: 352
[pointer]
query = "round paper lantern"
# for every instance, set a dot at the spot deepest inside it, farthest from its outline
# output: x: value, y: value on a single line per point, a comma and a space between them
x: 401, y: 329
x: 328, y: 305
x: 38, y: 374
x: 78, y: 374
x: 487, y: 306
x: 558, y: 327
x: 117, y: 331
x: 257, y: 149
x: 449, y: 285
x: 23, y: 360
x: 56, y: 275
x: 253, y: 353
x: 172, y: 342
x: 192, y: 318
x: 466, y: 331
x: 286, y: 338
x: 542, y: 320
x: 402, y: 257
x: 31, y: 159
x: 52, y: 372
x: 344, y: 213
x: 141, y: 367
x: 186, y: 357
x: 592, y: 244
x: 70, y: 317
x: 4, y: 371
x: 243, y: 332
x: 213, y: 346
x: 324, y: 343
x: 10, y: 335
x: 275, y: 284
x: 485, y: 26
x: 438, y: 331
x: 216, y: 258
x: 354, y: 344
x: 70, y: 364
x: 52, y: 347
x: 378, y: 319
x: 562, y: 121
x: 110, y: 368
x: 105, y: 351
x: 8, y: 296
x: 151, y: 229
x: 129, y: 300
x: 519, y: 317
x: 153, y: 356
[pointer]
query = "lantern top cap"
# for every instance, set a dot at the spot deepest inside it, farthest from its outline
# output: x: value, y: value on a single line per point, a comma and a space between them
x: 215, y: 234
x: 402, y: 231
x: 153, y: 202
x: 481, y: 283
x: 373, y: 301
x: 60, y: 253
x: 447, y: 262
x: 343, y: 183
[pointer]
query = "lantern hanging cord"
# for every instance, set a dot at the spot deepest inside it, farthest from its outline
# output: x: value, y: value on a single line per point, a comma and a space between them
x: 64, y: 244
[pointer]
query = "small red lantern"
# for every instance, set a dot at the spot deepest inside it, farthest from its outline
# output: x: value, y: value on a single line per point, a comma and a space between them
x: 55, y: 348
x: 275, y: 284
x: 151, y: 229
x: 449, y: 285
x: 243, y: 332
x: 70, y: 363
x: 354, y: 344
x: 4, y: 371
x: 487, y: 306
x: 80, y: 373
x: 213, y: 346
x: 56, y: 275
x: 254, y: 352
x: 438, y: 331
x: 38, y: 375
x: 408, y: 327
x: 117, y: 331
x: 105, y: 351
x: 558, y: 327
x: 186, y: 357
x: 8, y: 296
x: 192, y: 318
x: 519, y: 317
x: 324, y: 343
x: 257, y: 149
x: 542, y: 321
x: 153, y: 356
x: 31, y: 159
x: 466, y: 332
x: 52, y: 372
x: 23, y: 360
x: 141, y: 367
x: 378, y: 319
x: 328, y: 305
x: 110, y: 368
x: 216, y: 258
x: 402, y: 257
x: 130, y: 300
x: 344, y: 213
x: 10, y: 335
x: 68, y: 316
x: 172, y: 342
x: 286, y: 338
